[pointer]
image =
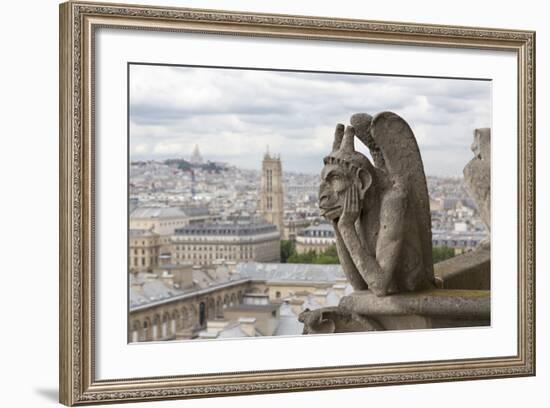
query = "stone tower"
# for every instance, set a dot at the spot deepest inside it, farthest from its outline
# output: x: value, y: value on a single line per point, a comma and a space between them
x: 271, y: 197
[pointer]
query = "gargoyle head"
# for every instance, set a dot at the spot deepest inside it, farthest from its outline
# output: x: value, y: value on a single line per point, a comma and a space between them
x: 344, y: 167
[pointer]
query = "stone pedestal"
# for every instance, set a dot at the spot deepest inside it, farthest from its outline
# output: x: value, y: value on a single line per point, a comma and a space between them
x: 471, y: 270
x: 434, y: 308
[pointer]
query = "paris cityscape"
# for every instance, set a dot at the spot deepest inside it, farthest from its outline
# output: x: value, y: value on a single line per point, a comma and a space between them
x: 225, y: 235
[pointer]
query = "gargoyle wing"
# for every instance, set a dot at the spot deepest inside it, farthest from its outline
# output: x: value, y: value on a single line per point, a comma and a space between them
x: 395, y: 151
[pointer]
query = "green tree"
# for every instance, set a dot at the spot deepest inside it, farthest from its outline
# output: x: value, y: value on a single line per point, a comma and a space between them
x: 329, y: 256
x: 287, y: 249
x: 442, y: 253
x: 184, y: 165
x: 302, y: 258
x: 331, y: 252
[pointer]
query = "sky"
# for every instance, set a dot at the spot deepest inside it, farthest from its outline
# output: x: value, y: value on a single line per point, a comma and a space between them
x: 233, y: 115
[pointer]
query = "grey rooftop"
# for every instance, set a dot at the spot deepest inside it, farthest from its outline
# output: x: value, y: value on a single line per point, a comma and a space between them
x: 290, y: 272
x: 169, y: 212
x: 321, y: 230
x: 227, y: 228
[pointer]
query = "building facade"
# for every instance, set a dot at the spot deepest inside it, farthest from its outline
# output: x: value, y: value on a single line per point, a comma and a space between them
x: 459, y: 241
x: 165, y: 220
x: 144, y: 250
x: 183, y: 315
x: 316, y: 238
x: 271, y: 191
x: 231, y: 241
x: 292, y: 226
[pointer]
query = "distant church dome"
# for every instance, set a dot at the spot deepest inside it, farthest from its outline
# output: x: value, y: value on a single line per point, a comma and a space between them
x: 196, y: 157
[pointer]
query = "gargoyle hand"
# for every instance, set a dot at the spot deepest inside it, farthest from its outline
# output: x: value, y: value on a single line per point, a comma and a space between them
x: 351, y: 208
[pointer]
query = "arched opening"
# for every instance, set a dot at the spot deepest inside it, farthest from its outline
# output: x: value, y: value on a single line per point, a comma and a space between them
x: 135, y: 331
x: 219, y: 308
x: 146, y: 332
x: 202, y: 314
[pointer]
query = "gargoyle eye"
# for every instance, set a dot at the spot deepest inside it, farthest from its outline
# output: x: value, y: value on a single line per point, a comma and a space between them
x: 333, y: 177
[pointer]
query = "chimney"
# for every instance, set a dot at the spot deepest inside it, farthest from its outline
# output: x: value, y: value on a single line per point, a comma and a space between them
x: 182, y: 275
x: 248, y: 325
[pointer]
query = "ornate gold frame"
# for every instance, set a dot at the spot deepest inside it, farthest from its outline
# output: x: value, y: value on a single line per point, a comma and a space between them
x: 78, y: 21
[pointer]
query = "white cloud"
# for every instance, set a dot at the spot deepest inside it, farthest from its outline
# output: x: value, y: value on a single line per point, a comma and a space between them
x: 233, y: 114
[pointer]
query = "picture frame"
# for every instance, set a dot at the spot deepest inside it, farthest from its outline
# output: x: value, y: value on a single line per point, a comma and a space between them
x: 79, y: 25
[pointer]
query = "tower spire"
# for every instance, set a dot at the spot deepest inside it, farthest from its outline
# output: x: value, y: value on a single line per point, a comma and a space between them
x: 271, y: 197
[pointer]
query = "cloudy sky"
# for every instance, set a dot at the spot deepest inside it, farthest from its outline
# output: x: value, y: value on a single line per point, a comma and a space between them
x: 234, y: 114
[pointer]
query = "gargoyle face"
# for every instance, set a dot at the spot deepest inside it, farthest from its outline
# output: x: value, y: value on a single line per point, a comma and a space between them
x: 335, y: 181
x: 344, y: 168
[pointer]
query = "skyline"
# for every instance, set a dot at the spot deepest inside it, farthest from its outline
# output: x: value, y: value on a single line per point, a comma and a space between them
x: 174, y: 108
x: 258, y: 168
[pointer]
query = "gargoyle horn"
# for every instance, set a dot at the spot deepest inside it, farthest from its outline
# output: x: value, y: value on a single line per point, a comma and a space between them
x: 338, y: 135
x: 348, y: 141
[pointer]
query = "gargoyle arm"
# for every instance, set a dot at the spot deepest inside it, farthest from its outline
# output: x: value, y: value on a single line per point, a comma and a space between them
x: 348, y: 266
x: 378, y: 268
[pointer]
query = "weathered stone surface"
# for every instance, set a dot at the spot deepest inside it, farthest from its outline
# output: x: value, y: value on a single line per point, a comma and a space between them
x: 456, y: 304
x: 477, y: 174
x: 471, y: 270
x: 434, y: 308
x: 335, y: 320
x: 380, y: 213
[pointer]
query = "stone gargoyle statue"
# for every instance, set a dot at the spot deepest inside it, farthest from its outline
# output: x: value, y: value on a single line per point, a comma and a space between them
x: 477, y: 174
x: 380, y: 211
x: 381, y: 217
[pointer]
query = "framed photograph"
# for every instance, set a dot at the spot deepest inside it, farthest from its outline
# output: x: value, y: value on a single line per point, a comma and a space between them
x: 255, y: 203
